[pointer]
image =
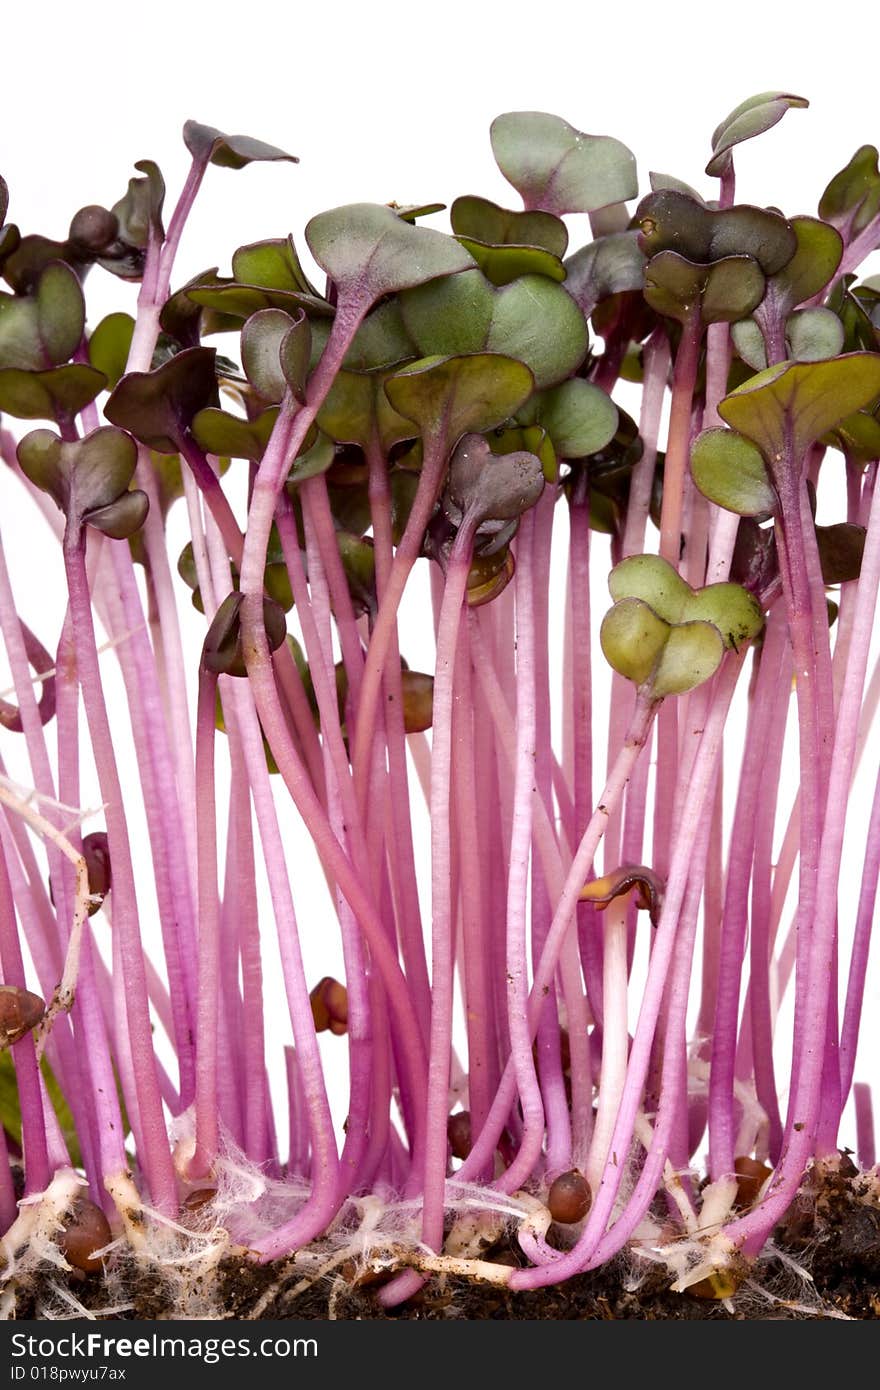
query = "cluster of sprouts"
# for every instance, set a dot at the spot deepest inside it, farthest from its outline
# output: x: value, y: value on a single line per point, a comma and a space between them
x: 561, y: 1016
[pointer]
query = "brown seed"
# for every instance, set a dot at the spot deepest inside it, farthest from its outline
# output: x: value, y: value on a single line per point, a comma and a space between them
x: 751, y: 1176
x: 198, y: 1198
x: 569, y: 1198
x: 86, y: 1230
x: 330, y: 1006
x: 20, y: 1011
x: 458, y: 1132
x: 96, y: 853
x: 418, y: 701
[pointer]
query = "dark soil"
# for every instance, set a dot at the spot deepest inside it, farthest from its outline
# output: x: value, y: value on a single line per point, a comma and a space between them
x: 832, y: 1232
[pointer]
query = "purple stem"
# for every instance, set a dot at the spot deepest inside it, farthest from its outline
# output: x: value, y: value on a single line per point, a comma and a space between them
x: 758, y: 999
x: 8, y: 1203
x: 589, y: 926
x: 634, y: 743
x: 256, y: 1088
x: 435, y: 1154
x: 92, y: 1044
x: 866, y: 1151
x: 699, y: 791
x: 318, y: 517
x: 298, y: 1155
x: 401, y: 853
x: 315, y: 616
x: 323, y: 1201
x: 479, y: 1002
x: 155, y: 1155
x: 816, y: 954
x: 520, y: 1025
x: 385, y: 626
x: 552, y: 1083
x: 162, y: 806
x: 207, y: 1116
x: 336, y: 861
x: 722, y: 1121
x: 858, y: 964
x: 33, y: 1123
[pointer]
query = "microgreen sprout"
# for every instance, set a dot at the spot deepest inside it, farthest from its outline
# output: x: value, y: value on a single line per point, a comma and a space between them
x: 551, y: 1018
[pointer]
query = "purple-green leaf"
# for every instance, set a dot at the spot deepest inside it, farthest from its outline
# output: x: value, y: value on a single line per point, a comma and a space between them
x: 558, y: 169
x: 752, y: 117
x: 158, y: 407
x: 206, y: 143
x: 795, y: 403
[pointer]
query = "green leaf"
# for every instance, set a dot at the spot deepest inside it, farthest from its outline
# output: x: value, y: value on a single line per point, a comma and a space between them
x: 660, y: 181
x: 206, y: 143
x: 314, y: 461
x: 217, y: 432
x: 749, y: 343
x: 20, y: 343
x: 536, y: 322
x: 158, y: 407
x: 122, y: 518
x: 222, y: 651
x: 632, y: 637
x: 45, y: 395
x: 61, y: 312
x: 273, y: 265
x: 800, y: 401
x: 411, y: 212
x: 811, y: 268
x: 558, y: 169
x: 359, y: 562
x: 487, y: 222
x: 81, y: 475
x: 261, y: 338
x: 672, y: 221
x: 728, y: 607
x: 814, y: 334
x: 578, y: 416
x: 501, y: 264
x: 858, y: 436
x: 109, y: 346
x: 356, y: 406
x: 852, y: 198
x: 731, y: 609
x: 139, y: 212
x: 533, y: 319
x: 452, y: 396
x: 450, y: 316
x: 730, y: 471
x: 655, y: 582
x: 380, y: 341
x: 612, y: 264
x: 229, y: 300
x: 691, y: 655
x: 294, y: 355
x: 722, y: 292
x: 750, y: 118
x: 368, y: 251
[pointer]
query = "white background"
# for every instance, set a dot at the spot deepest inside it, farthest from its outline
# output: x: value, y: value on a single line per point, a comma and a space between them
x: 393, y: 100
